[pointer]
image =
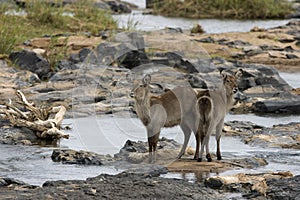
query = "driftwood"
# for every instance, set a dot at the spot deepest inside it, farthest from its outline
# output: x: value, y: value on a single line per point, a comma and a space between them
x: 45, y: 122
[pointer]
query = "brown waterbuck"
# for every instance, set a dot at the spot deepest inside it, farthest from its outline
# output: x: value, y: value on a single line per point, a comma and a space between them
x: 213, y: 106
x: 172, y: 108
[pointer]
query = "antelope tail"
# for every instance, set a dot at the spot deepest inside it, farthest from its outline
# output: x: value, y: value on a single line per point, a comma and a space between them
x: 205, y: 105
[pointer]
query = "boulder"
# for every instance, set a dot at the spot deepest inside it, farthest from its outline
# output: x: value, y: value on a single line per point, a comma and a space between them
x: 31, y: 61
x: 286, y: 105
x: 250, y: 185
x: 68, y: 156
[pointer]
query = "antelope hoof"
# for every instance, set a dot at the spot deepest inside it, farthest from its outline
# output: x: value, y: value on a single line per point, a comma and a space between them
x: 199, y: 160
x: 208, y: 158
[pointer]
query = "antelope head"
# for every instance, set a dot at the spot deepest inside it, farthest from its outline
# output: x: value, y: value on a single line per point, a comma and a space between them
x: 230, y: 83
x: 141, y: 94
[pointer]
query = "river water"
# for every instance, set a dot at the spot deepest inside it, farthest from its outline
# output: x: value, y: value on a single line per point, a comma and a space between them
x: 147, y: 22
x: 107, y: 134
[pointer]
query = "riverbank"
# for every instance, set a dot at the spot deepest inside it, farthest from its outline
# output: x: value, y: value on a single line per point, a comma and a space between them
x: 249, y: 9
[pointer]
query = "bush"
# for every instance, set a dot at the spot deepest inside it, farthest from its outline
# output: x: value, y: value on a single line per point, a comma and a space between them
x: 43, y: 13
x: 8, y: 34
x: 240, y: 9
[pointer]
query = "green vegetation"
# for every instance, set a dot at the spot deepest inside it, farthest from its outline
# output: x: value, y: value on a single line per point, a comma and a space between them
x: 46, y: 19
x: 56, y: 52
x: 238, y: 9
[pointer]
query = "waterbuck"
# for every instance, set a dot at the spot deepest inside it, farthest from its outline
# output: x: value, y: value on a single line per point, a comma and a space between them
x: 213, y: 106
x: 173, y: 107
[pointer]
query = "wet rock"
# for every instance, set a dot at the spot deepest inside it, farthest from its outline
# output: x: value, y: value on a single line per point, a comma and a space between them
x: 121, y: 186
x: 287, y: 188
x: 289, y: 106
x: 137, y: 152
x: 250, y: 185
x: 10, y: 182
x: 282, y: 135
x: 148, y: 170
x: 15, y: 135
x: 32, y: 62
x: 79, y: 157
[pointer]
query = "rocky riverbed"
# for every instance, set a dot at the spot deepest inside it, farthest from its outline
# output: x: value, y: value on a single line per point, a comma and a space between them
x: 93, y: 82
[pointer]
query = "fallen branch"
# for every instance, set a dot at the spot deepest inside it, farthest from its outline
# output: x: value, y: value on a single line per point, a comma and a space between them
x: 45, y: 122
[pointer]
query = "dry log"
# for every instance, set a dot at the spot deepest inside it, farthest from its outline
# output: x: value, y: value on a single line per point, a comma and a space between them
x: 45, y: 122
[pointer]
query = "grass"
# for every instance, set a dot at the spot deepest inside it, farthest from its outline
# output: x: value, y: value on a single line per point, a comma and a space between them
x: 45, y: 19
x: 238, y: 9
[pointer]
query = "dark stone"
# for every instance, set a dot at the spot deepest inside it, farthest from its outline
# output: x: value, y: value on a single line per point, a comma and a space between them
x: 174, y: 30
x: 128, y: 52
x: 289, y: 106
x: 291, y: 56
x: 65, y: 64
x: 286, y: 40
x: 234, y: 43
x: 83, y: 53
x: 207, y: 40
x: 287, y: 188
x: 266, y: 81
x: 197, y: 82
x: 213, y: 183
x: 31, y: 61
x: 289, y: 49
x: 133, y: 59
x: 119, y: 6
x: 178, y: 61
x: 79, y: 157
x: 267, y: 47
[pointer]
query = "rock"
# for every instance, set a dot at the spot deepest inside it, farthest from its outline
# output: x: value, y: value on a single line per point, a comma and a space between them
x: 79, y: 157
x: 121, y: 186
x: 248, y: 184
x: 282, y: 135
x: 286, y: 40
x: 148, y: 170
x: 257, y: 29
x: 235, y: 43
x: 14, y: 135
x: 288, y: 106
x: 197, y: 29
x: 119, y: 6
x: 137, y: 152
x: 31, y: 61
x: 178, y: 61
x: 206, y: 40
x: 283, y: 188
x: 291, y: 56
x: 128, y: 54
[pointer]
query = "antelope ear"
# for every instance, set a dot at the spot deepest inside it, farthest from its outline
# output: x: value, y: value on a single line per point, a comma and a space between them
x: 223, y: 74
x: 147, y: 79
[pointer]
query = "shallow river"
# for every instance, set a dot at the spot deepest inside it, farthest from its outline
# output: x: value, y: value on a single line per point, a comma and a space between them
x: 147, y: 22
x: 107, y: 134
